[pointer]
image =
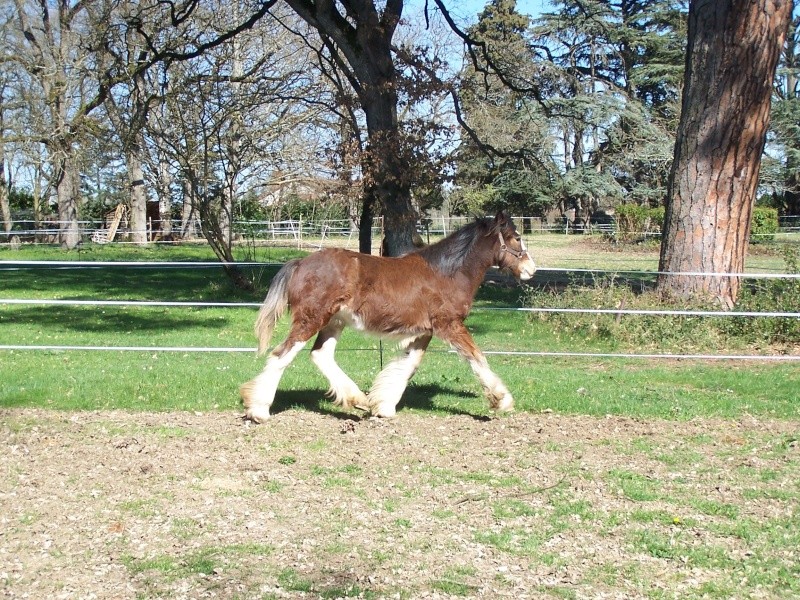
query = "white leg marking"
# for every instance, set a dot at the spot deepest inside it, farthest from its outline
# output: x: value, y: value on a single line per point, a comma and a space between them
x: 259, y: 393
x: 499, y: 397
x: 344, y: 391
x: 390, y: 384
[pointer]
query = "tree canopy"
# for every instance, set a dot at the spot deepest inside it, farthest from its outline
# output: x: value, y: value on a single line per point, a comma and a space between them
x: 206, y: 107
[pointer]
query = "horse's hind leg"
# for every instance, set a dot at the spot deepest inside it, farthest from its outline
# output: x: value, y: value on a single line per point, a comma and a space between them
x: 500, y: 399
x: 343, y: 390
x: 391, y: 382
x: 259, y: 393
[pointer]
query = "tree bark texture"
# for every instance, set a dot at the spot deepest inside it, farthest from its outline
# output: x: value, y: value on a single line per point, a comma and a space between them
x: 164, y: 201
x: 188, y: 213
x: 5, y: 208
x: 68, y: 189
x: 137, y: 221
x: 732, y: 54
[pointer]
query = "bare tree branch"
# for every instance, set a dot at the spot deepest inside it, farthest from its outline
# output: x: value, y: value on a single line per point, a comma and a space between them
x: 489, y: 66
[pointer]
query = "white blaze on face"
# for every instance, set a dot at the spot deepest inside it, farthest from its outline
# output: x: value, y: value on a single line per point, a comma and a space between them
x: 526, y: 265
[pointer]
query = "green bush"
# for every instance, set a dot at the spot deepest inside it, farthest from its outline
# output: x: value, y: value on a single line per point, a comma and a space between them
x: 770, y: 295
x: 656, y: 218
x: 675, y: 333
x: 634, y: 220
x: 763, y: 224
x: 631, y: 220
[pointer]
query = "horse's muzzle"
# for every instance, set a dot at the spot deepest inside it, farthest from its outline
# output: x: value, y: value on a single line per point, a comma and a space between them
x: 526, y: 269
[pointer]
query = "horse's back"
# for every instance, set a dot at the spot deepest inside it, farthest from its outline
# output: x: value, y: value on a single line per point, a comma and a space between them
x: 367, y: 266
x: 379, y: 294
x: 323, y: 274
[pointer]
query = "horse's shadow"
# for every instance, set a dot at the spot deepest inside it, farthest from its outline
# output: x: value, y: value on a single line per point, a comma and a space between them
x: 419, y: 397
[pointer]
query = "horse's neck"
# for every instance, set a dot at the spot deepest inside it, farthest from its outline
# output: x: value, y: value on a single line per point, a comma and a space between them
x: 468, y: 276
x: 473, y: 271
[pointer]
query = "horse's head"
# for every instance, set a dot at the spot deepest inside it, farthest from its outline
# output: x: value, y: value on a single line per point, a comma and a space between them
x: 512, y: 255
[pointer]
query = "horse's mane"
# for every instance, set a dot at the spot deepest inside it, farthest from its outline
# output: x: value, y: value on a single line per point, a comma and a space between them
x: 448, y: 255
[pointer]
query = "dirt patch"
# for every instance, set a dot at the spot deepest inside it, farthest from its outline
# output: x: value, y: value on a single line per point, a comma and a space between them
x: 179, y: 505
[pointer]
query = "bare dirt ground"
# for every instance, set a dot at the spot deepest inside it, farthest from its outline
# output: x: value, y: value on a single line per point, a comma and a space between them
x: 312, y: 505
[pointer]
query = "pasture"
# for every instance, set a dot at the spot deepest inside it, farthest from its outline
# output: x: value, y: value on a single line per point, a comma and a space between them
x: 129, y: 474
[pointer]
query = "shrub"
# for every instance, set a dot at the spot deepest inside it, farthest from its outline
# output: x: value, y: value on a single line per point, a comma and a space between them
x: 634, y: 220
x: 631, y: 220
x: 656, y: 218
x: 763, y: 224
x: 770, y: 295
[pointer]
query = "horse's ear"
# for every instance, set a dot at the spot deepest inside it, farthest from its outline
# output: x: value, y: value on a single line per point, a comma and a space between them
x: 501, y: 219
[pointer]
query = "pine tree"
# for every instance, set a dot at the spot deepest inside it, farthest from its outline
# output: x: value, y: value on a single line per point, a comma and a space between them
x: 510, y: 166
x: 619, y: 68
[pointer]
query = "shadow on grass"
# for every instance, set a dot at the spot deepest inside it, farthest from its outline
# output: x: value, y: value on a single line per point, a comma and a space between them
x: 133, y: 283
x: 116, y: 320
x: 420, y: 397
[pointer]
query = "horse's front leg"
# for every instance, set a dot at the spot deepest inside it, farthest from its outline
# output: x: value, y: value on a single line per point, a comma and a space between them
x: 497, y: 393
x: 344, y: 391
x: 391, y: 382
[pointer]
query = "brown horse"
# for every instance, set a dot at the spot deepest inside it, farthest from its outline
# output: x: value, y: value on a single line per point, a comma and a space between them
x: 412, y: 298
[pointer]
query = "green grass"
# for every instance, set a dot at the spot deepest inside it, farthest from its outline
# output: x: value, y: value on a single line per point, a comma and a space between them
x: 634, y: 486
x: 595, y: 252
x: 455, y: 581
x: 162, y: 380
x: 199, y: 252
x: 677, y: 334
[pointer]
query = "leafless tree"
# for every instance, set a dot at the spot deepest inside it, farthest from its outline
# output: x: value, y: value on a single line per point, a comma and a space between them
x: 232, y: 118
x: 51, y: 45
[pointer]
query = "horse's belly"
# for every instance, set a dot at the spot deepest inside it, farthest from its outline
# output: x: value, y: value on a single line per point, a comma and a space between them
x: 348, y: 318
x: 387, y: 327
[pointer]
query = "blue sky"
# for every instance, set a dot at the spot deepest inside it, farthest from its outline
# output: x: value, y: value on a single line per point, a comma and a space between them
x: 466, y: 8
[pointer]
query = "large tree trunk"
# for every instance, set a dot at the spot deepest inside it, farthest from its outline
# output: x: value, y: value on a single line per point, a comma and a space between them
x: 388, y: 181
x: 363, y: 35
x: 388, y: 184
x: 731, y: 58
x: 188, y: 214
x: 37, y: 199
x: 68, y: 190
x: 137, y: 220
x: 365, y: 227
x: 164, y: 201
x: 5, y: 208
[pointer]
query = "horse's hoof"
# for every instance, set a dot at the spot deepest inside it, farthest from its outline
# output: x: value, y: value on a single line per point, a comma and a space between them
x: 257, y: 415
x: 380, y: 418
x: 384, y: 412
x: 357, y: 400
x: 504, y: 404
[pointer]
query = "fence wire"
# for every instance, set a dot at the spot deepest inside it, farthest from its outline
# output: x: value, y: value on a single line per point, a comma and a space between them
x: 11, y: 265
x: 17, y: 265
x: 233, y: 350
x: 597, y: 311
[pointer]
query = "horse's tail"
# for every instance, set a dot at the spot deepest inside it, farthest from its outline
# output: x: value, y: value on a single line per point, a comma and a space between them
x: 275, y: 304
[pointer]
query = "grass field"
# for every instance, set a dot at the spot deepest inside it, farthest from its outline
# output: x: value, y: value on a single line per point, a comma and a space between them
x: 128, y: 474
x: 186, y: 380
